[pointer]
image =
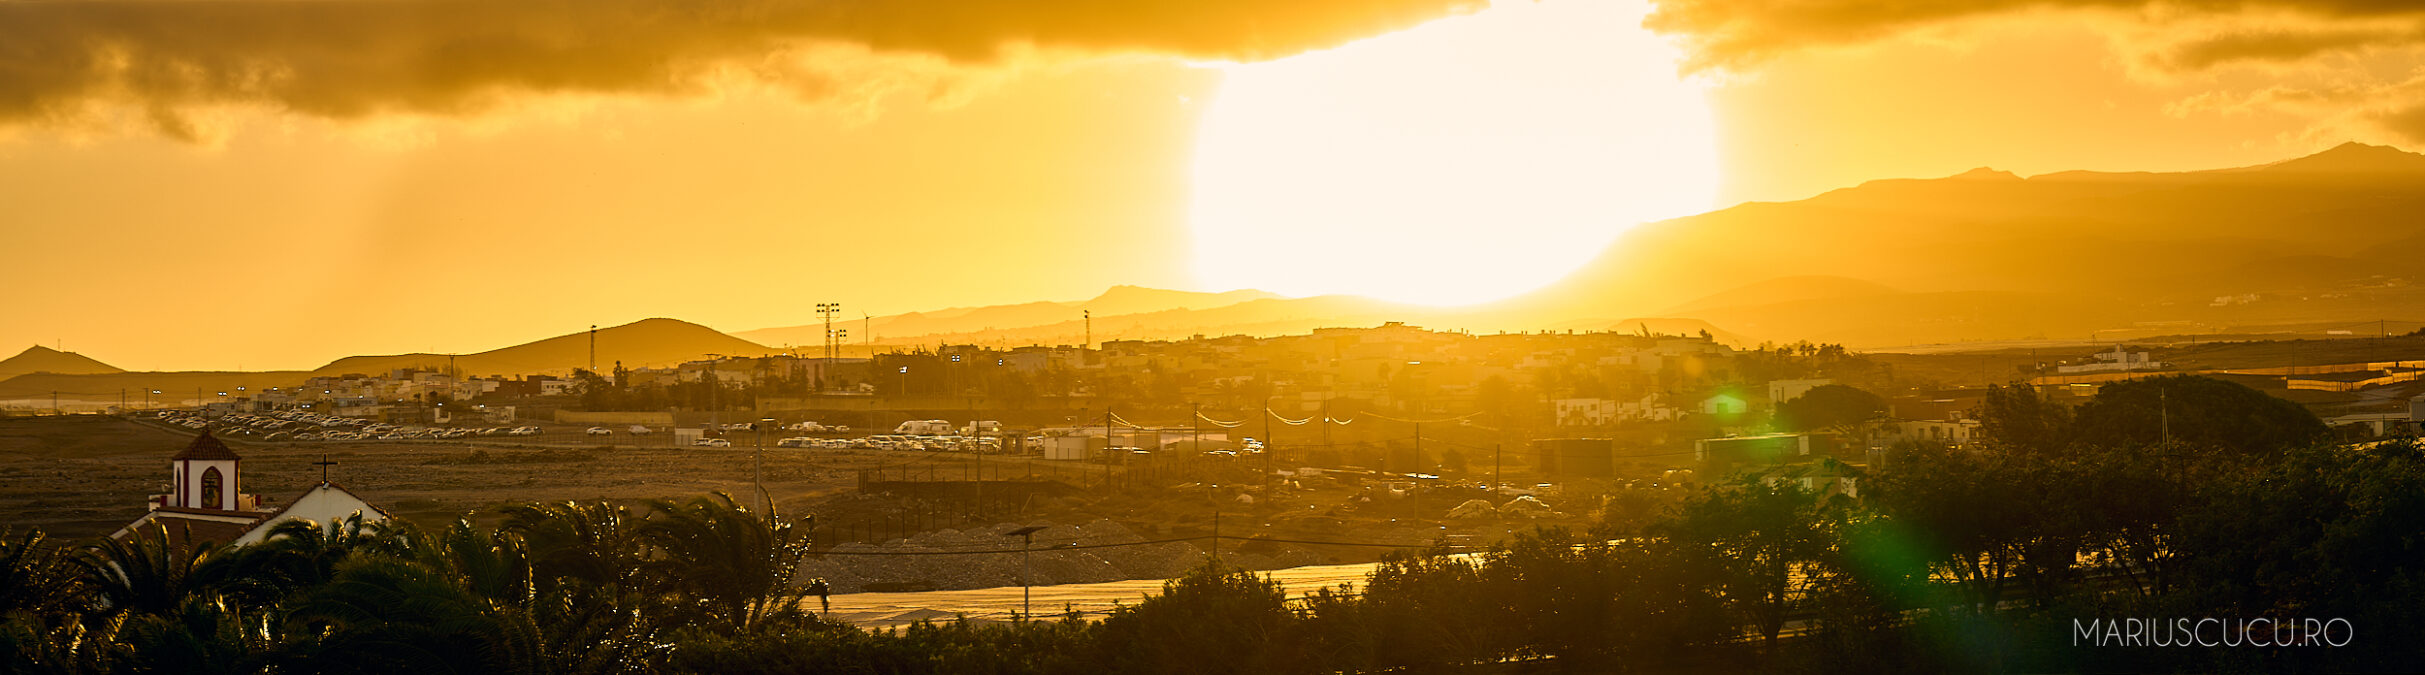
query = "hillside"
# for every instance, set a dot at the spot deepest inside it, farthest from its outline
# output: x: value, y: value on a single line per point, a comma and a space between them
x: 2328, y: 237
x: 1982, y: 255
x: 175, y: 387
x: 40, y: 359
x: 646, y: 343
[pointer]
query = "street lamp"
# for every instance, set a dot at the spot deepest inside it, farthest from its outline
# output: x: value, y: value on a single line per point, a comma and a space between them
x: 758, y: 472
x: 1026, y: 537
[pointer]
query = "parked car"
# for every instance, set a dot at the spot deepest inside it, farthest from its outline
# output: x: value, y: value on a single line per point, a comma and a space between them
x: 599, y: 431
x: 713, y: 443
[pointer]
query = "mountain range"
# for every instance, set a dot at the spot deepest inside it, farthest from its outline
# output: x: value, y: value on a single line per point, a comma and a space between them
x: 2325, y: 239
x: 1982, y: 255
x: 648, y: 343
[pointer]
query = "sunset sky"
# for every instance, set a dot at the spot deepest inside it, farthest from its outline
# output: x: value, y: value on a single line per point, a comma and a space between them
x: 273, y: 184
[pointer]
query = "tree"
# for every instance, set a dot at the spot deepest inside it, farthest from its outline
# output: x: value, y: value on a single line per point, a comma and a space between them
x: 1833, y: 406
x: 1761, y: 537
x: 2015, y: 417
x: 36, y: 576
x: 2200, y: 412
x: 146, y: 573
x: 1211, y: 620
x: 735, y: 567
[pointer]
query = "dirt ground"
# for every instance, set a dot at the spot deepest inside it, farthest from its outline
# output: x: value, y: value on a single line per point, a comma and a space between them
x: 86, y: 475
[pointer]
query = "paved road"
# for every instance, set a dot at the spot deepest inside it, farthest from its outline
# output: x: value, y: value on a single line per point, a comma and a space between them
x: 892, y: 610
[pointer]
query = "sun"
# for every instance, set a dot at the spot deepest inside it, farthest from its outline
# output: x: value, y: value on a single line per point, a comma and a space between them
x: 1465, y: 160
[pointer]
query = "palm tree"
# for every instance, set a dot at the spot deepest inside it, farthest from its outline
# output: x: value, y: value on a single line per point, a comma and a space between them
x: 596, y: 544
x: 146, y: 573
x: 35, y: 576
x: 299, y: 554
x: 385, y: 614
x: 735, y: 567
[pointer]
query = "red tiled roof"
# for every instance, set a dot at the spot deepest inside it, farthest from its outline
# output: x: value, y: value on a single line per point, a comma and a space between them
x: 206, y: 447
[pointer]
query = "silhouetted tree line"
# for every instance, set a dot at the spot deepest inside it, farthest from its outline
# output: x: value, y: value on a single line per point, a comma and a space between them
x: 1803, y: 360
x: 599, y: 394
x: 1976, y: 558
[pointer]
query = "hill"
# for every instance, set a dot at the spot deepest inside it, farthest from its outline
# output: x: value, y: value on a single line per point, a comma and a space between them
x: 180, y: 388
x: 1987, y: 255
x: 40, y: 359
x: 646, y: 343
x: 1982, y: 255
x: 1786, y: 289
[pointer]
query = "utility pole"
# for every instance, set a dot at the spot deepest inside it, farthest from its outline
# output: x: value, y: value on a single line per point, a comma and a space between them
x: 1216, y: 538
x: 1326, y: 422
x: 758, y: 467
x: 1497, y: 451
x: 1267, y: 455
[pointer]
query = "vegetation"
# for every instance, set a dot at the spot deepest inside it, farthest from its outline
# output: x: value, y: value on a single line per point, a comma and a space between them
x: 1832, y: 407
x: 1982, y: 557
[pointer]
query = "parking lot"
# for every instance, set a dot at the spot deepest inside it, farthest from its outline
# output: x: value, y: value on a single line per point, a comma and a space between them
x: 307, y: 427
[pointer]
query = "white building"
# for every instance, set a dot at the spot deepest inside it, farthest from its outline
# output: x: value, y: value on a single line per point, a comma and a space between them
x: 1585, y: 412
x: 205, y: 502
x: 1780, y: 391
x: 2113, y: 361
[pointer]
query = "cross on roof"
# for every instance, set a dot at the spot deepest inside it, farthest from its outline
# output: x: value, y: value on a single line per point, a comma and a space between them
x: 324, y: 464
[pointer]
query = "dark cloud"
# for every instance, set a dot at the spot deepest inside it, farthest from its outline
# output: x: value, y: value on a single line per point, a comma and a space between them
x: 355, y: 58
x: 1732, y: 33
x: 2407, y: 122
x: 2279, y: 45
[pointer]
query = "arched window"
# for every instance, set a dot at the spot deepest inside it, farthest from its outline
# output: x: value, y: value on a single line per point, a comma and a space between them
x: 210, y: 488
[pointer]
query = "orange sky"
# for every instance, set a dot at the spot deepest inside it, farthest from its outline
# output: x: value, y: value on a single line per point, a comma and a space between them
x: 252, y: 194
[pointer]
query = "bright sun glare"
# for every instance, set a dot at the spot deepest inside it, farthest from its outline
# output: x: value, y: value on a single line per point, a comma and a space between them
x: 1465, y: 160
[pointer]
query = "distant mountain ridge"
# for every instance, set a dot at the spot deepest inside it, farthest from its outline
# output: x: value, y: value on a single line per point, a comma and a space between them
x: 1984, y: 254
x: 1981, y: 255
x: 647, y: 343
x: 2326, y: 237
x: 40, y: 359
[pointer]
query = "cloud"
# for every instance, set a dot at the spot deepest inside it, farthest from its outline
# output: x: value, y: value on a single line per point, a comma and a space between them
x: 349, y: 59
x: 2279, y: 45
x: 2343, y: 69
x: 1737, y: 34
